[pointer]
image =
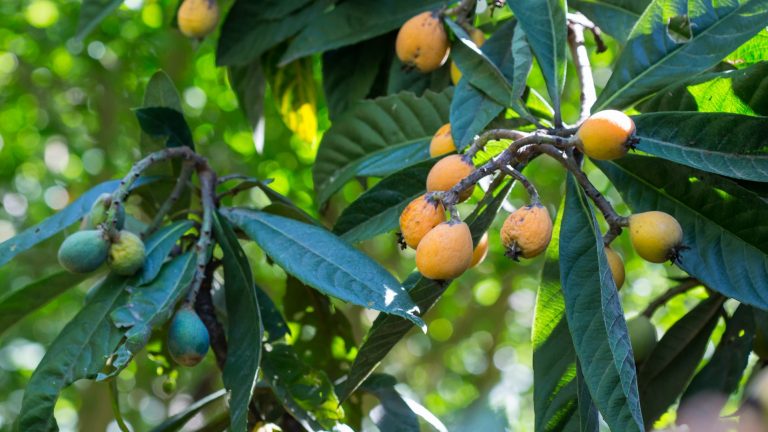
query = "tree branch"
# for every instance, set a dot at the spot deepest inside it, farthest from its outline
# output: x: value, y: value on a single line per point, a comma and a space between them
x: 580, y: 58
x: 685, y: 285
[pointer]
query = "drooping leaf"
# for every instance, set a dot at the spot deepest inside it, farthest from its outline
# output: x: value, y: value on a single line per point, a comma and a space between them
x: 378, y: 209
x: 91, y: 14
x: 353, y: 21
x: 64, y: 218
x: 165, y: 122
x: 177, y: 421
x: 595, y: 316
x: 712, y: 211
x: 293, y: 90
x: 727, y: 144
x: 245, y: 331
x: 249, y: 85
x: 545, y: 27
x: 666, y: 372
x: 273, y: 320
x: 325, y: 262
x: 387, y: 330
x: 652, y: 59
x: 377, y: 138
x: 752, y: 52
x: 80, y: 351
x: 615, y: 17
x: 159, y: 246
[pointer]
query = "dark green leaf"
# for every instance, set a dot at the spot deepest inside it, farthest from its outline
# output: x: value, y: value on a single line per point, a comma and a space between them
x: 91, y: 14
x: 159, y: 246
x: 595, y: 317
x: 290, y: 211
x: 713, y: 211
x: 56, y: 223
x: 80, y: 351
x: 271, y: 317
x: 674, y: 360
x: 165, y: 122
x: 615, y: 17
x: 325, y: 262
x: 378, y: 209
x: 176, y: 422
x: 400, y: 79
x: 249, y: 85
x: 652, y: 60
x: 393, y: 414
x: 377, y: 138
x: 245, y: 331
x: 545, y: 26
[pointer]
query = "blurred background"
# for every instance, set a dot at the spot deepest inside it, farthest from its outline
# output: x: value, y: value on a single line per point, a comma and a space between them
x: 66, y: 124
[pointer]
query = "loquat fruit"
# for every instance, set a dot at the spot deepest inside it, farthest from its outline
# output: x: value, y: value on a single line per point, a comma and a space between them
x: 422, y: 42
x: 418, y: 217
x: 617, y: 266
x: 198, y: 18
x: 605, y: 135
x: 480, y: 252
x: 445, y: 252
x: 126, y: 254
x: 442, y: 142
x: 83, y: 251
x: 447, y: 172
x: 642, y: 336
x: 527, y: 231
x: 188, y: 338
x: 656, y: 236
x: 99, y: 210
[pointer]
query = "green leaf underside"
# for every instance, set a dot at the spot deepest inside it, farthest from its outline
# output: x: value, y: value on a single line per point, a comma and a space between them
x: 325, y: 262
x: 61, y: 220
x: 652, y: 60
x: 177, y: 421
x: 80, y: 351
x: 245, y: 331
x: 387, y: 330
x: 615, y: 17
x: 159, y: 246
x: 595, y: 316
x: 753, y: 51
x: 712, y: 211
x: 727, y: 144
x: 377, y: 138
x: 378, y: 209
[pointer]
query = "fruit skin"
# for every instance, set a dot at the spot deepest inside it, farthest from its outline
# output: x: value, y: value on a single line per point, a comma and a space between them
x: 445, y: 252
x: 617, y: 266
x: 480, y: 252
x: 527, y: 231
x: 83, y: 251
x: 188, y: 339
x: 418, y: 218
x: 478, y: 37
x: 127, y: 254
x: 198, y: 18
x: 642, y: 336
x: 98, y: 213
x: 656, y: 236
x: 442, y: 142
x: 422, y: 42
x: 447, y: 172
x: 605, y: 135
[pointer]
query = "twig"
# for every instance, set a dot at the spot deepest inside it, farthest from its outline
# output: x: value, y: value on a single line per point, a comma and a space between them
x: 203, y: 246
x: 517, y: 175
x: 181, y: 184
x: 114, y: 396
x: 577, y: 18
x: 462, y: 11
x: 491, y: 135
x: 580, y: 58
x: 680, y: 288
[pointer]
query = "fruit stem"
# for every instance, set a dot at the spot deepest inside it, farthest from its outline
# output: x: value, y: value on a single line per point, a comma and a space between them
x: 181, y: 183
x: 580, y: 58
x: 684, y: 286
x: 491, y: 135
x: 517, y: 175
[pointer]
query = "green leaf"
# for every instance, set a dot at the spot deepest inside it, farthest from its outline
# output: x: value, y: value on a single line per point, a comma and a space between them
x: 545, y: 27
x: 727, y: 248
x: 245, y: 331
x: 400, y: 79
x: 652, y: 59
x: 16, y: 304
x: 674, y: 360
x: 379, y: 137
x: 394, y: 412
x: 378, y: 209
x: 176, y: 422
x: 387, y: 330
x: 743, y: 91
x: 249, y: 85
x: 753, y: 51
x: 148, y: 307
x: 165, y: 122
x: 305, y: 392
x: 615, y: 17
x: 595, y: 317
x: 91, y: 14
x: 159, y: 246
x: 80, y: 351
x: 325, y: 262
x: 723, y: 372
x: 353, y: 21
x: 61, y: 220
x: 160, y: 92
x: 727, y: 144
x: 272, y: 319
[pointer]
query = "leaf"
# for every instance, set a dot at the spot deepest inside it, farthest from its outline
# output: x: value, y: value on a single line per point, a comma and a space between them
x: 671, y: 364
x: 727, y: 249
x: 159, y: 246
x: 353, y: 21
x: 61, y: 220
x: 595, y: 317
x: 393, y: 413
x: 652, y: 60
x: 91, y: 14
x: 79, y: 351
x: 305, y: 392
x: 247, y: 81
x: 16, y: 304
x: 378, y: 209
x: 615, y: 17
x: 753, y: 51
x: 325, y: 262
x: 727, y: 144
x: 379, y: 137
x: 272, y: 319
x: 245, y: 331
x: 293, y: 90
x: 177, y: 421
x: 401, y: 79
x: 743, y: 91
x: 545, y: 26
x: 387, y: 330
x: 165, y: 122
x: 723, y: 372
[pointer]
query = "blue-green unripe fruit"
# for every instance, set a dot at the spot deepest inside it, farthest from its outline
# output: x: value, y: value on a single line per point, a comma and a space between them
x: 642, y: 335
x: 126, y: 254
x: 83, y: 251
x: 188, y: 339
x: 99, y: 210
